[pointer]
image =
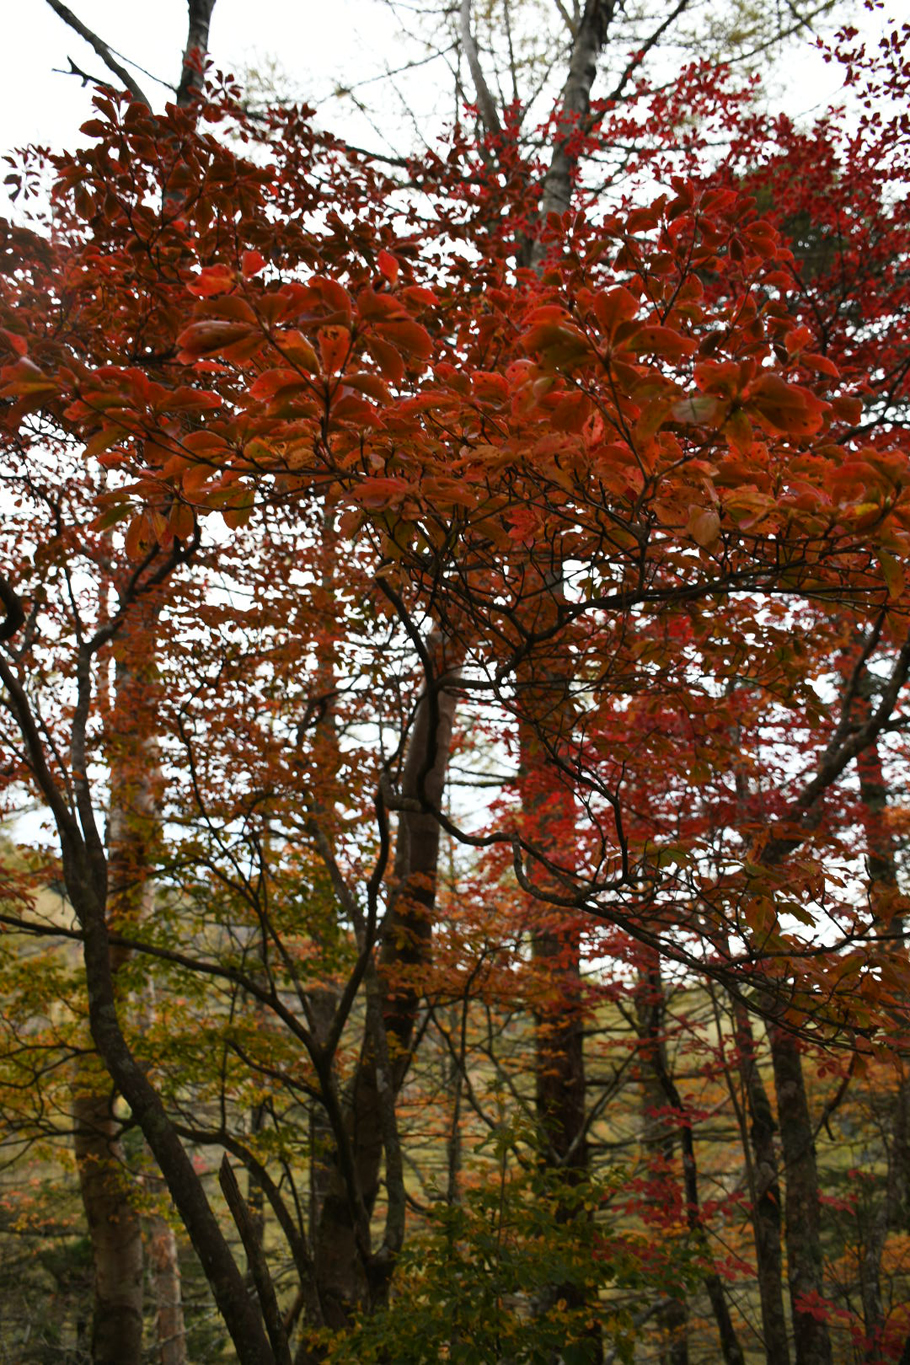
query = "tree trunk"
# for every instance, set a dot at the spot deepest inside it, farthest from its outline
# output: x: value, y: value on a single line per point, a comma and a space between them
x: 805, y: 1262
x: 883, y: 896
x: 241, y: 1317
x: 575, y: 103
x: 766, y: 1195
x: 731, y: 1351
x: 343, y: 1277
x: 114, y: 1230
x: 657, y: 1136
x: 164, y: 1264
x: 549, y: 820
x: 197, y: 45
x: 113, y: 1225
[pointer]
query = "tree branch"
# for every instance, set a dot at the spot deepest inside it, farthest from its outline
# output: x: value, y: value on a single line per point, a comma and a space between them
x: 102, y: 49
x: 485, y: 102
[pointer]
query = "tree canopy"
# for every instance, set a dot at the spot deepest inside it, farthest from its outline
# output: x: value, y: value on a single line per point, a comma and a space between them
x: 456, y: 631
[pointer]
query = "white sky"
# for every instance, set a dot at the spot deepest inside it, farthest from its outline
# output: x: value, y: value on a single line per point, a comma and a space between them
x: 318, y: 45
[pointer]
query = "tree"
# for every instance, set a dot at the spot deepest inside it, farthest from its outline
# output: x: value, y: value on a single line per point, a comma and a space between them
x: 596, y: 521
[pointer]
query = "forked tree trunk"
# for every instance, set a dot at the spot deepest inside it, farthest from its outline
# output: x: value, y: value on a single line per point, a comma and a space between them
x: 343, y: 1274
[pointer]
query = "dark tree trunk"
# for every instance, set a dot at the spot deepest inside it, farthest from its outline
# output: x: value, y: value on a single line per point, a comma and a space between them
x: 766, y: 1196
x: 658, y: 1137
x: 883, y: 895
x: 731, y: 1351
x: 805, y: 1262
x: 197, y: 45
x: 342, y: 1259
x: 114, y: 1227
x: 240, y: 1315
x: 575, y: 104
x: 549, y: 818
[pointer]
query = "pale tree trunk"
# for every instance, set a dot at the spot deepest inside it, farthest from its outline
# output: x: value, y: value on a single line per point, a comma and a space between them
x: 656, y: 1056
x: 164, y: 1266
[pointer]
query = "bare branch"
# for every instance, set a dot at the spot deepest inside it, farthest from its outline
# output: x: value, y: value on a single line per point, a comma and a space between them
x: 102, y: 49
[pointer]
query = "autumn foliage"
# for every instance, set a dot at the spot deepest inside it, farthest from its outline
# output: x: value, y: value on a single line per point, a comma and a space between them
x: 469, y: 698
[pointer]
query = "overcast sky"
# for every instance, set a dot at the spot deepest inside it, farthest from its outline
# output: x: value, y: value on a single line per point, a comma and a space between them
x: 317, y: 43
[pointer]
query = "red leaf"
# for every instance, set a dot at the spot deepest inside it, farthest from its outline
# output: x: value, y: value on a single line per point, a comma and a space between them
x: 387, y: 358
x: 409, y: 337
x: 252, y: 262
x: 388, y: 265
x: 214, y: 279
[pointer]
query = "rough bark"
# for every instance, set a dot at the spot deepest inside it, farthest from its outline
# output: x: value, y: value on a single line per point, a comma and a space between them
x: 114, y: 1229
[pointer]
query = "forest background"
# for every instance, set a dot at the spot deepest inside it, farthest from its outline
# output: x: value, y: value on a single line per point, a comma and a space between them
x: 454, y: 661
